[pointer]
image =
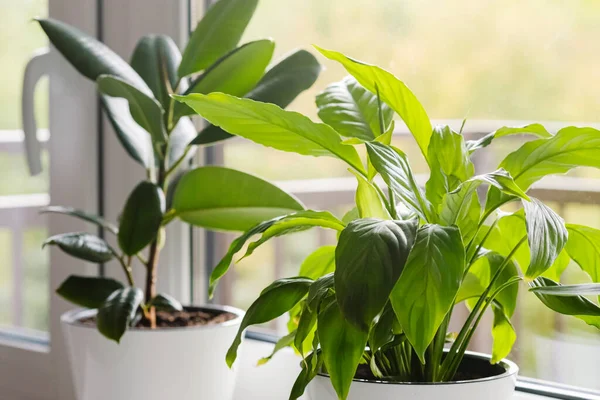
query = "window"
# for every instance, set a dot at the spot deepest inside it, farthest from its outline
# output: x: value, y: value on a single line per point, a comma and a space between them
x: 493, y: 62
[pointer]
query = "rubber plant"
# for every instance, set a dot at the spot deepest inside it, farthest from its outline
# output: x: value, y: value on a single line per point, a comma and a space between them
x: 158, y: 134
x: 407, y: 255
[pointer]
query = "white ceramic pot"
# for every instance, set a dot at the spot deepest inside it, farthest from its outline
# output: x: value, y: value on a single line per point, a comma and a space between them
x: 498, y: 387
x: 173, y: 363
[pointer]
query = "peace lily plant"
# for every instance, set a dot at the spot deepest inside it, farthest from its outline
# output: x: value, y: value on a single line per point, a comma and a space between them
x: 407, y: 256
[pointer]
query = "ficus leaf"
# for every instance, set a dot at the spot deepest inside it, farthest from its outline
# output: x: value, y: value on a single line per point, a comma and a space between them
x: 117, y: 311
x: 87, y: 291
x: 94, y: 219
x: 82, y: 245
x: 165, y: 302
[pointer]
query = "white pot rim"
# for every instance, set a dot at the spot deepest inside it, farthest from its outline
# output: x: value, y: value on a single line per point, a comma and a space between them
x: 72, y: 318
x: 510, y: 369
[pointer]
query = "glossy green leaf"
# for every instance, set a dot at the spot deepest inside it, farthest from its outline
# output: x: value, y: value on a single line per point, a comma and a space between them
x: 141, y: 217
x: 392, y: 91
x: 94, y: 219
x: 342, y: 347
x: 218, y: 32
x: 164, y: 302
x: 87, y: 291
x: 533, y: 129
x: 584, y: 289
x: 310, y: 367
x: 368, y: 200
x: 236, y: 200
x: 117, y: 311
x: 146, y: 111
x: 381, y: 333
x: 89, y: 56
x: 319, y: 290
x: 82, y: 245
x: 134, y: 139
x: 546, y: 234
x: 462, y: 208
x: 235, y: 74
x: 280, y: 86
x: 575, y: 305
x: 352, y: 110
x: 583, y: 246
x: 393, y: 166
x: 503, y: 334
x: 306, y: 327
x: 274, y: 301
x: 269, y: 125
x: 369, y: 258
x: 156, y: 58
x: 429, y: 283
x: 319, y: 263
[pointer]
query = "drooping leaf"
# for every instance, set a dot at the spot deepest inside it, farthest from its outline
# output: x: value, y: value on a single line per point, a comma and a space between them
x: 134, y: 139
x: 392, y: 91
x: 141, y: 217
x: 575, y: 305
x: 352, y: 110
x: 82, y: 245
x: 342, y: 346
x: 164, y: 302
x: 236, y: 73
x: 281, y: 344
x: 503, y: 334
x: 117, y: 311
x: 583, y: 246
x: 393, y: 166
x: 369, y: 258
x: 368, y: 200
x: 429, y: 283
x: 533, y: 129
x: 156, y: 58
x: 236, y: 200
x: 583, y: 289
x: 280, y: 86
x: 319, y: 263
x: 274, y: 301
x: 216, y: 34
x: 89, y: 56
x: 87, y: 291
x: 269, y: 125
x: 306, y: 327
x: 546, y: 234
x: 310, y: 367
x: 94, y: 219
x: 146, y: 111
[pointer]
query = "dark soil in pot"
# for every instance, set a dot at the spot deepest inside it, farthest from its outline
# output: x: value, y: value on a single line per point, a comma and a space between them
x: 190, y: 316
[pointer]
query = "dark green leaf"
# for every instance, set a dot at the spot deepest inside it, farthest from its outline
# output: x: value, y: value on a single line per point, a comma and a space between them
x: 546, y: 234
x: 94, y: 219
x: 87, y: 291
x: 319, y: 290
x: 141, y: 217
x: 310, y: 367
x: 306, y: 328
x: 116, y: 313
x: 89, y: 56
x: 273, y: 302
x: 216, y: 34
x: 319, y: 263
x: 429, y: 283
x: 369, y: 259
x: 381, y: 334
x: 164, y: 302
x: 584, y: 289
x: 235, y: 201
x: 533, y: 129
x: 342, y: 347
x: 82, y: 245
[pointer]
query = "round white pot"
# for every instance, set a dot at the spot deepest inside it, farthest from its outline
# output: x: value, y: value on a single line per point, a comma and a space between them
x: 498, y: 387
x: 168, y: 363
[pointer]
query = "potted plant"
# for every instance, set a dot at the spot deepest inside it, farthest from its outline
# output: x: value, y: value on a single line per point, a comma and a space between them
x: 370, y: 315
x: 165, y: 338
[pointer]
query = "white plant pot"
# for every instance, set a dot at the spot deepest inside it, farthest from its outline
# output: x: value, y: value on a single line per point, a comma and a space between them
x: 168, y: 363
x: 499, y: 387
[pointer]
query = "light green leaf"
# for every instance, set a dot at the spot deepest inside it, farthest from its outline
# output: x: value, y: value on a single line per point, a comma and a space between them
x: 352, y: 110
x: 583, y: 246
x: 117, y: 311
x: 281, y: 344
x: 87, y: 291
x: 319, y: 263
x: 546, y: 234
x: 533, y: 129
x: 342, y: 347
x: 393, y: 166
x: 559, y: 266
x: 280, y: 86
x: 461, y: 208
x: 392, y: 91
x: 368, y: 201
x: 94, y: 219
x: 141, y: 217
x: 381, y: 333
x: 269, y: 125
x: 216, y: 34
x: 429, y: 283
x: 82, y: 245
x: 273, y: 302
x: 369, y: 258
x: 236, y: 200
x: 146, y: 111
x: 503, y: 334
